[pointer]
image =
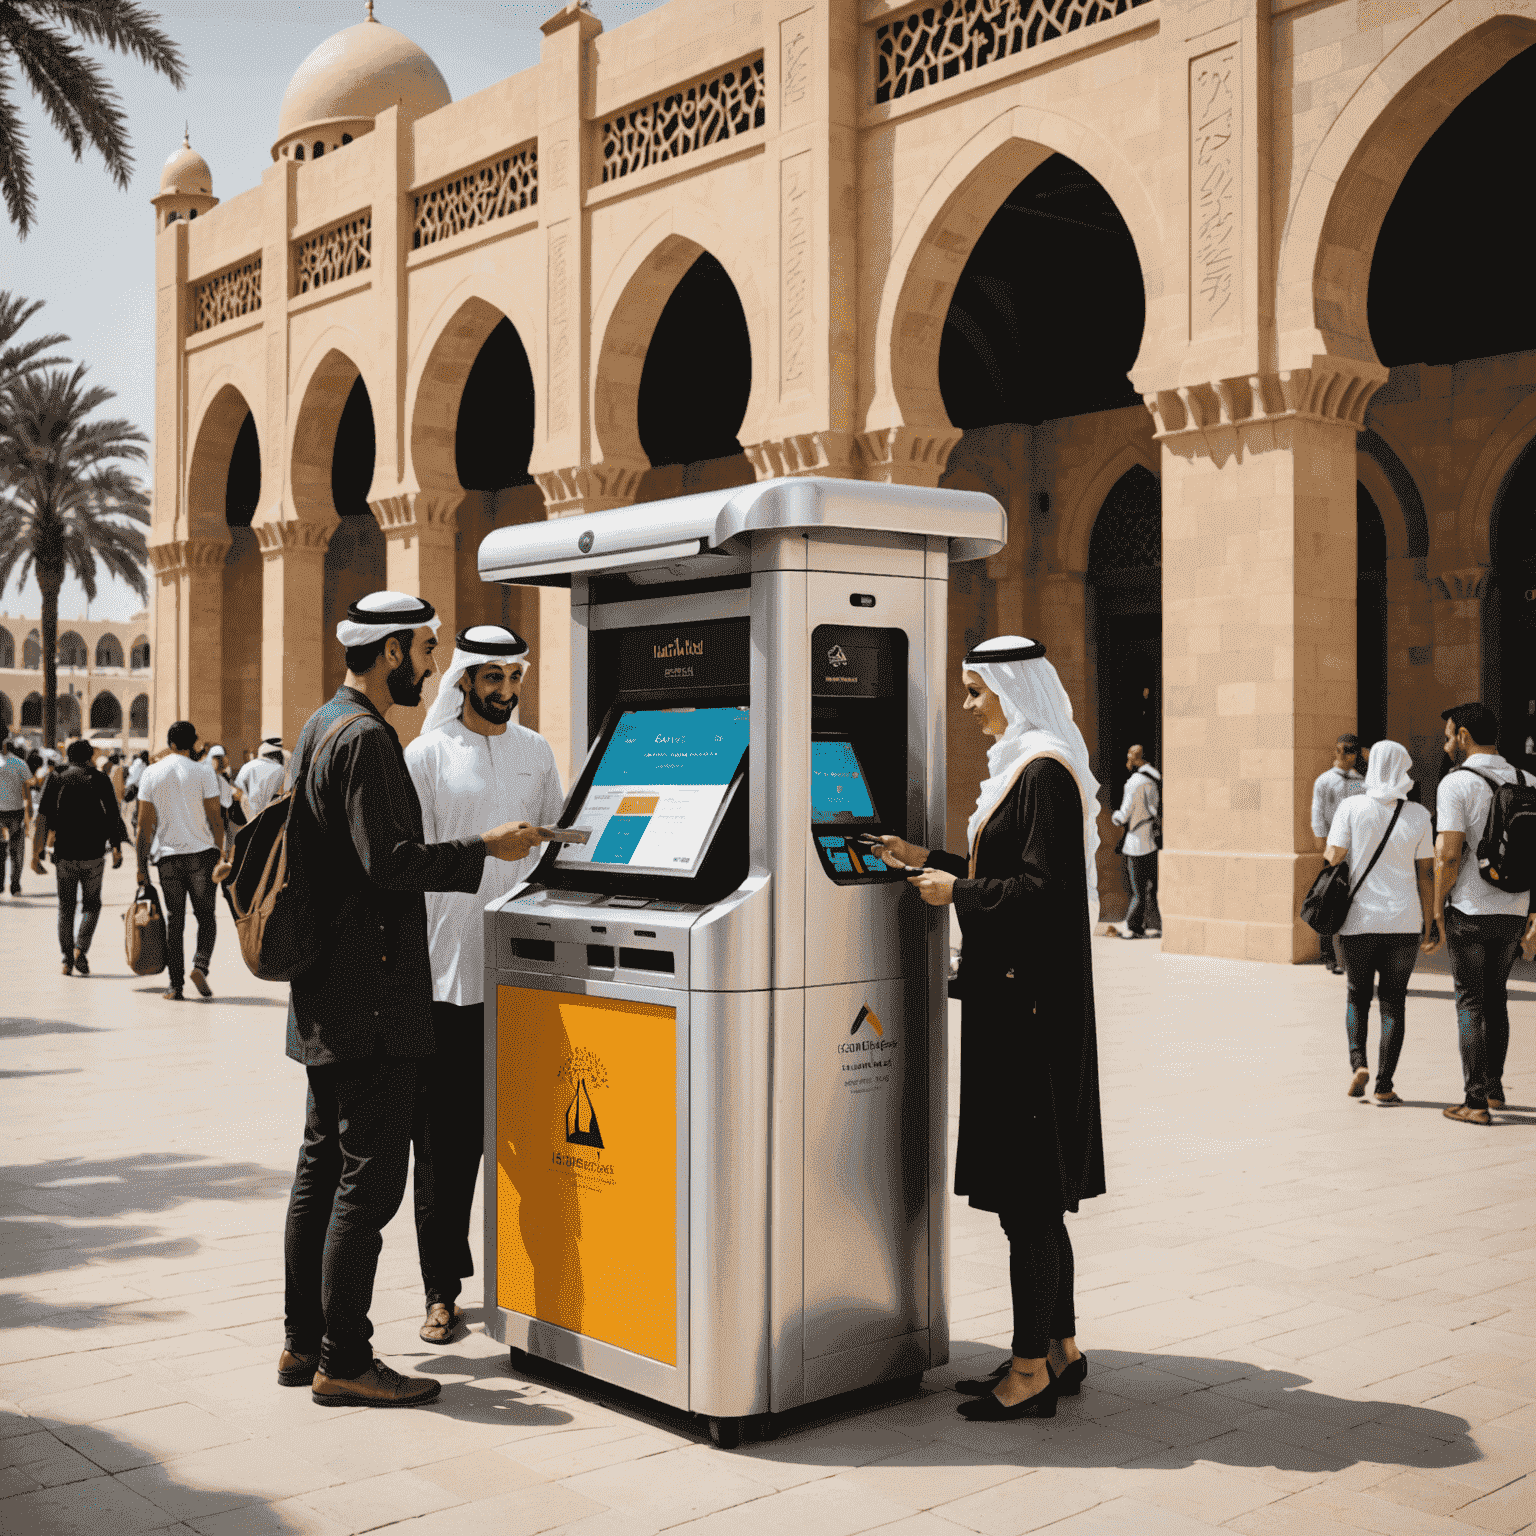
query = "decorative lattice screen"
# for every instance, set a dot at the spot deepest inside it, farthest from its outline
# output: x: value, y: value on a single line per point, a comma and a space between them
x: 690, y: 117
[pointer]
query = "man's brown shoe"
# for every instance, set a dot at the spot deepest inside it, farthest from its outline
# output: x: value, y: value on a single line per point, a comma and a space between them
x: 377, y: 1387
x: 1495, y: 1103
x: 296, y: 1370
x: 443, y: 1322
x: 1387, y: 1098
x: 1358, y: 1081
x: 200, y: 981
x: 1466, y: 1113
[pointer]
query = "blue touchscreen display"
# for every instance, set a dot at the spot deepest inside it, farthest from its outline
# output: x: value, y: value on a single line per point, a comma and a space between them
x: 838, y: 789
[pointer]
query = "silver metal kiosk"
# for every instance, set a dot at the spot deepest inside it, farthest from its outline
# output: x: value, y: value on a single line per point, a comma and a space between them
x: 715, y: 1074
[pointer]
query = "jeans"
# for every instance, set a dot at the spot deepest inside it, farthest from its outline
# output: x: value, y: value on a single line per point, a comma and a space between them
x: 1142, y: 913
x: 15, y: 825
x: 449, y: 1138
x: 1483, y: 951
x: 1391, y: 956
x: 183, y: 875
x: 1041, y: 1273
x: 348, y: 1185
x: 82, y: 878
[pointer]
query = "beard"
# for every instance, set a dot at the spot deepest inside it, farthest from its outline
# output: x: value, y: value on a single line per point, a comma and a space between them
x: 404, y: 686
x: 491, y: 710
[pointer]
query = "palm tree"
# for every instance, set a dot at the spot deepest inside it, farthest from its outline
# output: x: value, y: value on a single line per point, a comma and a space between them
x: 25, y: 357
x: 71, y: 85
x: 64, y: 493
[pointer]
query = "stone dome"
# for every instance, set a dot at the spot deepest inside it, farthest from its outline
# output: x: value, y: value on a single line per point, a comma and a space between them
x: 186, y: 172
x: 357, y: 74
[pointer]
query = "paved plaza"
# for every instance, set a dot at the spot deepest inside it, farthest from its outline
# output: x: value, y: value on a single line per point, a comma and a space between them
x: 1302, y: 1313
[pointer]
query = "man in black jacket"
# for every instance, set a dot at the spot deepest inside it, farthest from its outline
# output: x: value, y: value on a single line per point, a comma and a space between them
x: 79, y: 807
x: 361, y: 1019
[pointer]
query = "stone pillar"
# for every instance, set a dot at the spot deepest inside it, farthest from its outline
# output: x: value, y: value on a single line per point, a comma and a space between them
x: 1258, y: 648
x: 188, y: 631
x: 293, y: 603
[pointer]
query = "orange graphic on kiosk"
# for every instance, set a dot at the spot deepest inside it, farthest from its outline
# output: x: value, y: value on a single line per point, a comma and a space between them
x: 586, y: 1217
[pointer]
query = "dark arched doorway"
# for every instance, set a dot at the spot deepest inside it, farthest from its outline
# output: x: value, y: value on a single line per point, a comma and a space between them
x: 1370, y: 618
x: 355, y: 558
x: 694, y: 387
x: 241, y: 651
x: 1509, y: 614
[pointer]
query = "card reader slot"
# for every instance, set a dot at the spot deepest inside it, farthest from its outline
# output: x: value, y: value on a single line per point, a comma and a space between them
x: 534, y: 949
x: 600, y: 957
x: 646, y: 960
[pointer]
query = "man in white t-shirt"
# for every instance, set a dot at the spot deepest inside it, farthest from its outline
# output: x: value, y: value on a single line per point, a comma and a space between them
x: 1483, y: 926
x: 1329, y: 790
x: 178, y: 815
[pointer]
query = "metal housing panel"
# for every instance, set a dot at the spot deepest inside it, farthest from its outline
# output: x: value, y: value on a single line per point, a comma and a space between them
x: 786, y: 1164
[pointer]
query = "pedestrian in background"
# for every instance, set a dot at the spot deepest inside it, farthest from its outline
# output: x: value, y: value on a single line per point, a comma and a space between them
x: 1330, y: 788
x: 360, y: 1020
x: 180, y: 830
x: 1392, y: 909
x: 1141, y: 814
x: 1483, y: 926
x: 261, y: 780
x: 80, y: 810
x: 14, y: 778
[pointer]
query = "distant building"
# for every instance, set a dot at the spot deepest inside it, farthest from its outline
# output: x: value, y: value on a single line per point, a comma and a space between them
x: 106, y: 683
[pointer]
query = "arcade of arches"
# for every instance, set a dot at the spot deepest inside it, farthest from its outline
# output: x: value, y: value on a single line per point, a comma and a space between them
x: 1253, y: 503
x: 105, y: 681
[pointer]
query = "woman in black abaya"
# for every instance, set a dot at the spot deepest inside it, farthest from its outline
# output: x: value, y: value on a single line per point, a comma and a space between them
x: 1030, y: 1145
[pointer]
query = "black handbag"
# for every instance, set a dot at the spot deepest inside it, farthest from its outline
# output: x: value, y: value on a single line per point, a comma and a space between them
x: 1325, y: 907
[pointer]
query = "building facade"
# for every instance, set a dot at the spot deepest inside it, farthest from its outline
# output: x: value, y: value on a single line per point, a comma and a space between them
x: 1120, y: 264
x: 106, y: 682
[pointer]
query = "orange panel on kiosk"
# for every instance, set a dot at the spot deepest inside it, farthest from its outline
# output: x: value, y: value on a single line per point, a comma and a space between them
x: 586, y: 1136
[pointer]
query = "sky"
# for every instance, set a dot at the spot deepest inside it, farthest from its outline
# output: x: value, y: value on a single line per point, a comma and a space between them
x: 90, y: 256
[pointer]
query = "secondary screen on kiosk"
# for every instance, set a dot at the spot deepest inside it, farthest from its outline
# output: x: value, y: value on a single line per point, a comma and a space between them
x: 839, y: 791
x: 658, y: 789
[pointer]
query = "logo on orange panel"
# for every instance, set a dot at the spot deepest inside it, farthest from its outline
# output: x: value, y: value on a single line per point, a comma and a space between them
x: 867, y: 1015
x: 583, y: 1071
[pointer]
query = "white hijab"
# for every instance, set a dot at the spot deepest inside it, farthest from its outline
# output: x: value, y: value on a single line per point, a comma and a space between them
x: 1040, y: 723
x: 1386, y: 775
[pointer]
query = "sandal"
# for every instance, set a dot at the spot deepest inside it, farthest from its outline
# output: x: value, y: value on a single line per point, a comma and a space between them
x: 1389, y: 1097
x: 443, y: 1322
x: 1358, y: 1081
x: 1466, y: 1113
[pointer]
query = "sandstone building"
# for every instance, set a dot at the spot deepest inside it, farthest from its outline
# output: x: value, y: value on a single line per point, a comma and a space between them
x: 1178, y: 280
x: 106, y: 683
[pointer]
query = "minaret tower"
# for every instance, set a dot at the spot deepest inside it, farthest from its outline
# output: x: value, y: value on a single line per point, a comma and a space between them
x: 186, y: 186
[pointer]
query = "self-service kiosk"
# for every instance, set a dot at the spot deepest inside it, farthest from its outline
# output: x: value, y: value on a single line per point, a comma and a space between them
x: 716, y: 1087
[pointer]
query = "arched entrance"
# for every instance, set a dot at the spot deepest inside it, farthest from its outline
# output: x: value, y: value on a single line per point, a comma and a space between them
x: 355, y: 557
x: 1371, y: 682
x: 106, y: 714
x: 67, y: 716
x: 691, y: 406
x: 1509, y: 614
x: 241, y: 651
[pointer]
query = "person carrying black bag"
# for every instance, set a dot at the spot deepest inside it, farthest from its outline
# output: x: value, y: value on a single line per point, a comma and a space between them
x: 1390, y: 908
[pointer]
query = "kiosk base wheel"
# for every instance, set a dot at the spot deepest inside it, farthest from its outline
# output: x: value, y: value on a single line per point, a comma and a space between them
x: 725, y: 1433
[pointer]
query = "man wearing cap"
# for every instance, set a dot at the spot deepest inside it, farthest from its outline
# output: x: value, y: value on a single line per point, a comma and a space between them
x: 472, y: 765
x: 360, y: 1019
x: 261, y: 780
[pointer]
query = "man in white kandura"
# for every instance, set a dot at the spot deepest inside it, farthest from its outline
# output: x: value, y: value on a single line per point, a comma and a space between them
x: 262, y: 779
x: 472, y: 760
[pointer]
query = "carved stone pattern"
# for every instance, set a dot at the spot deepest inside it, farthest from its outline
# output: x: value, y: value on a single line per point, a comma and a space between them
x: 1225, y: 405
x: 295, y: 537
x: 906, y: 455
x: 1128, y: 532
x: 940, y: 42
x: 692, y: 116
x: 590, y: 487
x: 805, y: 453
x: 1467, y: 585
x: 232, y: 293
x: 417, y: 512
x: 334, y: 253
x: 562, y: 345
x: 506, y: 185
x: 795, y: 266
x: 1215, y: 191
x: 180, y: 555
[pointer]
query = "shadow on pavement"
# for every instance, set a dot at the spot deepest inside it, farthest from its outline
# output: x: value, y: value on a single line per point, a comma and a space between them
x: 44, y: 1207
x: 40, y: 1071
x: 18, y: 1029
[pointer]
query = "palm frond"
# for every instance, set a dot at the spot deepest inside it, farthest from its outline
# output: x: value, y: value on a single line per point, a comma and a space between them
x: 15, y: 162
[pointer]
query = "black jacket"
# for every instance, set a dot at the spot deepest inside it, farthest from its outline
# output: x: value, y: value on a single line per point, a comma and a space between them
x: 1030, y: 1137
x: 364, y: 852
x: 80, y: 807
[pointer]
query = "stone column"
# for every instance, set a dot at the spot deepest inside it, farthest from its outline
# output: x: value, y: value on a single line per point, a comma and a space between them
x: 1258, y: 647
x: 293, y: 605
x: 188, y: 631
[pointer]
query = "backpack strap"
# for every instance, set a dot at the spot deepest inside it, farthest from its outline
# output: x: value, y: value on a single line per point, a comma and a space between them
x: 1492, y: 784
x: 1380, y: 849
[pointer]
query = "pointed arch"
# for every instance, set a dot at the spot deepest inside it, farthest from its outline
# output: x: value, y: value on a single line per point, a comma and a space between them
x: 321, y: 387
x: 1074, y: 528
x: 1480, y: 496
x: 106, y: 713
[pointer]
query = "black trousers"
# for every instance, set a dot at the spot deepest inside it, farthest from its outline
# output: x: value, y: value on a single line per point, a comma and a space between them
x: 1143, y: 912
x: 449, y: 1136
x: 1040, y: 1270
x: 1483, y: 953
x: 349, y: 1183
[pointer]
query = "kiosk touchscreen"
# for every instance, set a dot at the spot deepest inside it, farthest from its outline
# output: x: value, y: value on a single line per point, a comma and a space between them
x: 843, y: 813
x: 659, y: 790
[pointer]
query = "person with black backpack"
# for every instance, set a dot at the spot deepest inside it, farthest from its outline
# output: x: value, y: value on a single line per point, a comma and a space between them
x: 79, y: 806
x: 1485, y: 867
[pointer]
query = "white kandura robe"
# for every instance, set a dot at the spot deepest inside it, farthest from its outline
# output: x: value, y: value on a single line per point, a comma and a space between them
x: 469, y: 783
x: 261, y: 781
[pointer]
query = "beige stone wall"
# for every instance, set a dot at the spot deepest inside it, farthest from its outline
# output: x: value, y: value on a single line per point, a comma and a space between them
x: 126, y: 683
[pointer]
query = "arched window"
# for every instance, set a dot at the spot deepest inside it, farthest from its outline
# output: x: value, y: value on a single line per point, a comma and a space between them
x: 32, y: 652
x: 298, y: 151
x: 319, y: 148
x: 138, y: 716
x: 346, y: 138
x: 109, y: 651
x: 72, y: 651
x: 138, y: 658
x: 171, y: 218
x: 106, y: 713
x: 66, y: 715
x: 5, y: 713
x: 7, y: 649
x: 32, y: 712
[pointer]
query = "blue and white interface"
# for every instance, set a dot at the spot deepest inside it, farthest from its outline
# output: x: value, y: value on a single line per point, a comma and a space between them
x: 838, y: 790
x: 658, y: 790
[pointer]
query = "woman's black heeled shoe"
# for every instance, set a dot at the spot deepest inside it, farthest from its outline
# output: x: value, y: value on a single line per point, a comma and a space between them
x: 987, y: 1410
x: 979, y: 1386
x: 1071, y: 1380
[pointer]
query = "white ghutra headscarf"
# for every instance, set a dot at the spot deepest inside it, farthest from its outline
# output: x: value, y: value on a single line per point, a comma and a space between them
x: 1040, y: 724
x: 473, y: 647
x: 382, y: 614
